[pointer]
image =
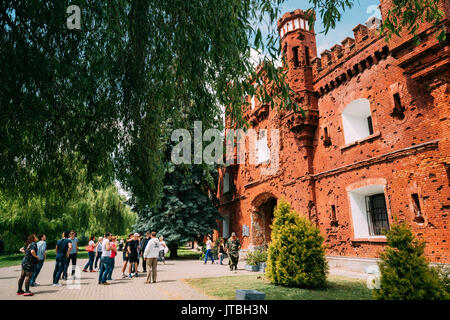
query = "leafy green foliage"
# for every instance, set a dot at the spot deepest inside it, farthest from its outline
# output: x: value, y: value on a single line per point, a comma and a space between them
x: 255, y: 257
x: 405, y: 274
x: 296, y: 256
x: 409, y: 14
x: 186, y: 212
x: 99, y: 98
x: 94, y: 214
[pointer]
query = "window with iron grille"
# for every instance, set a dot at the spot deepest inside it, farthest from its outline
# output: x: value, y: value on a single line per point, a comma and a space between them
x: 377, y: 216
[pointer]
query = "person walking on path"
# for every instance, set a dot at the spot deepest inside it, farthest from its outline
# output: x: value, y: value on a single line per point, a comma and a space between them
x: 105, y: 265
x: 98, y: 256
x: 163, y: 250
x: 28, y: 264
x: 151, y: 257
x: 63, y: 248
x: 113, y: 256
x: 42, y: 255
x: 233, y: 246
x: 208, y: 250
x: 133, y: 255
x: 91, y: 252
x: 125, y: 256
x: 221, y: 251
x: 143, y: 245
x: 72, y: 255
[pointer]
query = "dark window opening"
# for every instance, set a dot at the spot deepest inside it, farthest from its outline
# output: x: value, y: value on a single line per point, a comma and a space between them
x: 349, y: 72
x: 334, y: 222
x: 355, y: 69
x: 363, y: 65
x: 385, y: 50
x: 370, y: 125
x: 307, y: 56
x: 370, y: 60
x: 399, y: 110
x: 377, y: 214
x: 326, y: 138
x: 378, y: 55
x: 285, y: 49
x: 418, y: 217
x: 295, y: 54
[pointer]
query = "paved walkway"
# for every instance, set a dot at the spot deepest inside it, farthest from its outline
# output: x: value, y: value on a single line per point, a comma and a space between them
x: 168, y: 287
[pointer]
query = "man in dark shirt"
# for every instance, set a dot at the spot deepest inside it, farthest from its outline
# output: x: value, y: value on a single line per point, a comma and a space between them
x: 144, y: 242
x: 63, y: 247
x: 133, y: 254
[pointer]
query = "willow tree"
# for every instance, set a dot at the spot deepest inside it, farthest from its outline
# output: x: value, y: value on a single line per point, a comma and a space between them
x: 99, y: 95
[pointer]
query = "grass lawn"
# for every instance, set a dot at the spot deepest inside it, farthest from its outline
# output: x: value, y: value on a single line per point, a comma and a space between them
x: 15, y: 259
x: 338, y: 288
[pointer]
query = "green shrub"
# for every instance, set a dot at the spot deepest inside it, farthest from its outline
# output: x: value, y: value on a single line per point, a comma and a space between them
x: 253, y: 258
x: 296, y: 256
x: 405, y: 273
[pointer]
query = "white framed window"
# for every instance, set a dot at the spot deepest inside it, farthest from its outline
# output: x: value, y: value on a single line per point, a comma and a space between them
x: 289, y: 26
x: 226, y: 182
x: 302, y: 24
x: 369, y: 211
x: 306, y: 25
x: 263, y: 151
x: 357, y: 120
x: 253, y: 102
x: 296, y: 24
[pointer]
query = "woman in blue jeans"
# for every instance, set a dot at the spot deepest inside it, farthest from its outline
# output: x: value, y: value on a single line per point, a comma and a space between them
x: 208, y: 250
x: 91, y: 253
x: 105, y: 266
x: 41, y: 253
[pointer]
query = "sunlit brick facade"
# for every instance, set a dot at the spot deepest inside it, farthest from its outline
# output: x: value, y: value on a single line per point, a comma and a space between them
x: 374, y: 145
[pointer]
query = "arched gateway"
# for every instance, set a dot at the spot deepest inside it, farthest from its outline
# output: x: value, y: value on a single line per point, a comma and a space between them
x: 262, y: 215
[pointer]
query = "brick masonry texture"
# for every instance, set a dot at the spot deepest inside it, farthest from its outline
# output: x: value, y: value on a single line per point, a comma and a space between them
x: 408, y: 152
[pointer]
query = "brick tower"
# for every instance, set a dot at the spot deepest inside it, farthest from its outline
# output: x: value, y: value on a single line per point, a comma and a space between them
x: 298, y: 43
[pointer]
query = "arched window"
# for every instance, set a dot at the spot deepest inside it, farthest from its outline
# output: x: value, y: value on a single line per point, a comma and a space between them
x: 357, y: 120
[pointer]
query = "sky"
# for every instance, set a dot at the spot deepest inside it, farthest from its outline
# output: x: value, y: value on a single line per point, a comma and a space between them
x: 361, y: 11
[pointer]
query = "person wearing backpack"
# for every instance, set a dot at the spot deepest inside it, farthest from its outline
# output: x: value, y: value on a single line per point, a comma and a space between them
x: 91, y: 252
x: 63, y: 248
x: 28, y: 263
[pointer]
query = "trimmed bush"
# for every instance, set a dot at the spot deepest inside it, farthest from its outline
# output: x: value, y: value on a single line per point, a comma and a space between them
x: 296, y: 256
x: 405, y: 273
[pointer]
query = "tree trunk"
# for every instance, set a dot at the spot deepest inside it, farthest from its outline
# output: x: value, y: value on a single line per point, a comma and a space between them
x: 173, y: 247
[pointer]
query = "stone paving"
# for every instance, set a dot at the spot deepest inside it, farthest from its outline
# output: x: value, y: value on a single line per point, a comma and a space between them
x: 168, y: 287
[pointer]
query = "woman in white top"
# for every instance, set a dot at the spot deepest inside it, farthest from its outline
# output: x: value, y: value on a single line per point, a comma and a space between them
x: 208, y: 250
x: 91, y: 251
x: 163, y: 249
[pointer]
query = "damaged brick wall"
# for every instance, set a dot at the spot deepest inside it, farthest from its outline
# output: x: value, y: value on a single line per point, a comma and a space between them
x: 408, y: 151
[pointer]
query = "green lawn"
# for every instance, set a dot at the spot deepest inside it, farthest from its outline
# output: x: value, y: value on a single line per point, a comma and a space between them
x: 15, y: 259
x: 338, y: 288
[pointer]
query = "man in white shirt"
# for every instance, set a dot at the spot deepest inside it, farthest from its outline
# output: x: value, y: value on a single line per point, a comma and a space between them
x: 151, y: 257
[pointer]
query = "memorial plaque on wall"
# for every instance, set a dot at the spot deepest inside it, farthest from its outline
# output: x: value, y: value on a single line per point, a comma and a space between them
x: 245, y: 231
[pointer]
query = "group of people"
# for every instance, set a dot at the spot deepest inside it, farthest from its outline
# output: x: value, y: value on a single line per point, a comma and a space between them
x: 231, y: 247
x: 149, y: 248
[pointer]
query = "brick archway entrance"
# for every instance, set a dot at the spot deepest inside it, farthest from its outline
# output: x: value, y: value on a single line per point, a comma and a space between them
x: 262, y: 216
